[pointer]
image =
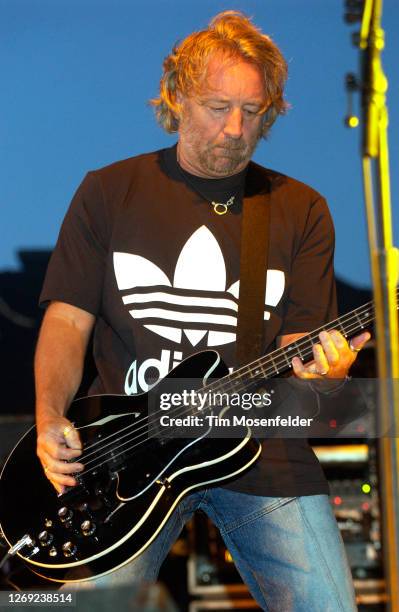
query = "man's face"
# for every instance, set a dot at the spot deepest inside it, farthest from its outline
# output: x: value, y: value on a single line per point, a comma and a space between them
x: 219, y: 128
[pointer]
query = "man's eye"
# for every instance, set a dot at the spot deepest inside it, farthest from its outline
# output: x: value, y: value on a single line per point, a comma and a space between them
x: 251, y: 112
x: 219, y: 109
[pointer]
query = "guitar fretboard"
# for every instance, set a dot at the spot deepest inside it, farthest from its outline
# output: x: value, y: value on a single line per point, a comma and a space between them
x: 280, y: 361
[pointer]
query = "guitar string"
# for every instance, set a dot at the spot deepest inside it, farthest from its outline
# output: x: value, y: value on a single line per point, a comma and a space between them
x: 125, y: 451
x: 130, y: 439
x: 302, y: 342
x: 146, y: 418
x: 113, y: 456
x: 217, y: 384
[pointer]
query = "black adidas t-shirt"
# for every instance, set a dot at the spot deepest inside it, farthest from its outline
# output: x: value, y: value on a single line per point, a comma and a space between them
x: 142, y: 249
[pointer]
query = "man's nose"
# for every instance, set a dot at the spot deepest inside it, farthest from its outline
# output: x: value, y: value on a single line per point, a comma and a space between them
x: 233, y: 125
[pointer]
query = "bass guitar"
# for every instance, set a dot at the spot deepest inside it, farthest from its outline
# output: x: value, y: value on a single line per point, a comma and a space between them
x: 133, y: 477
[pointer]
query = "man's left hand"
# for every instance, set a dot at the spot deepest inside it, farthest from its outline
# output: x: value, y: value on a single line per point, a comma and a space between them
x: 332, y: 357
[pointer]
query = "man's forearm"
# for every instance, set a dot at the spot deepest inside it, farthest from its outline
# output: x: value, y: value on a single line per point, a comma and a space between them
x: 59, y: 361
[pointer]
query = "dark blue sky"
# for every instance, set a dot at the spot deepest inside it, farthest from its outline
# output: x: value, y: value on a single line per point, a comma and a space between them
x: 77, y: 75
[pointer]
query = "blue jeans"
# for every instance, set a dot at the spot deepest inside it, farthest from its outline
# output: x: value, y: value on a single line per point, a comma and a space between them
x: 288, y: 550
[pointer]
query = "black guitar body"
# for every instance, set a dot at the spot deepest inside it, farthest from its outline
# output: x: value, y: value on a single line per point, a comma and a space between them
x: 133, y: 479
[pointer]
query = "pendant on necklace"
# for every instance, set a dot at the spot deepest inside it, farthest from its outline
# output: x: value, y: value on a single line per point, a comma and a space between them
x: 221, y: 208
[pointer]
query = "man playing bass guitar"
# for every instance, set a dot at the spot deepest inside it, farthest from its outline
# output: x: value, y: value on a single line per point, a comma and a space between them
x: 148, y: 260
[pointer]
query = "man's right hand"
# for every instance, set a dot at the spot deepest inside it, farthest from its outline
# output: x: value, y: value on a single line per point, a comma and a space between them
x: 59, y: 360
x: 57, y: 442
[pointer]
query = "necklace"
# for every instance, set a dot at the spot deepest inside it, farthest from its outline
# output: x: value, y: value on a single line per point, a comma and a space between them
x: 221, y: 208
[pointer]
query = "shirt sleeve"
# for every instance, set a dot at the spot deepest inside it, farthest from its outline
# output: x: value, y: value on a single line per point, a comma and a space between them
x: 311, y: 300
x: 76, y: 268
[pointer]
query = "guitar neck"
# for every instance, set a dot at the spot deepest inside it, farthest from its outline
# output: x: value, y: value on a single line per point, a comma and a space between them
x: 280, y: 361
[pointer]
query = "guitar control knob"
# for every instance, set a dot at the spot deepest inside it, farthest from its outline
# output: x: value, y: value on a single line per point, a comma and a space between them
x: 88, y: 528
x: 69, y: 549
x: 52, y: 552
x: 64, y: 514
x: 48, y: 522
x: 45, y: 538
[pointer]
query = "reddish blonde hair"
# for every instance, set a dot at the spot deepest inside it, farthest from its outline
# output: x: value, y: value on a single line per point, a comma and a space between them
x: 234, y: 35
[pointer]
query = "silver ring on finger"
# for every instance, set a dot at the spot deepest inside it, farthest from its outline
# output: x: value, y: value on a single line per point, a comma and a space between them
x: 67, y: 430
x: 323, y: 373
x: 353, y: 349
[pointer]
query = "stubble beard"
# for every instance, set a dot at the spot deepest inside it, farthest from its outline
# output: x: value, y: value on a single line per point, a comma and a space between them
x: 225, y: 159
x: 229, y: 157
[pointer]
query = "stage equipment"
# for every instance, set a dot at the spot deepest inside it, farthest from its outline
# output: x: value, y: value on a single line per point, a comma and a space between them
x: 373, y: 86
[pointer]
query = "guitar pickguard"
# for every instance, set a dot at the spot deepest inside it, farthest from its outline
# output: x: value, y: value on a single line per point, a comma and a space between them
x: 124, y: 484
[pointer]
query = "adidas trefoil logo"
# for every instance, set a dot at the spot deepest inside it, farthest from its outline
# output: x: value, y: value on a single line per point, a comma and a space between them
x: 196, y: 303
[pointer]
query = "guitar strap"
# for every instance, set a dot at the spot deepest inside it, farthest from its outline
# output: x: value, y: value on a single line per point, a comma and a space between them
x: 253, y: 266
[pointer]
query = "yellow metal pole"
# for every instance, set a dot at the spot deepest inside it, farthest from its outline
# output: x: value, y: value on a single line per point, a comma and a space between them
x: 384, y: 268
